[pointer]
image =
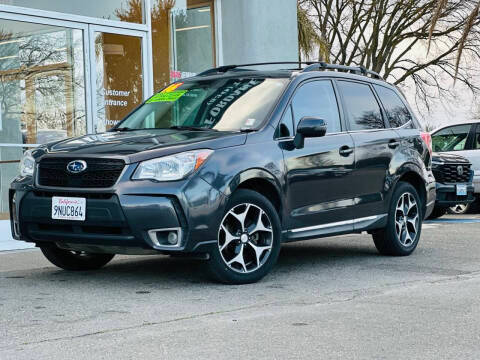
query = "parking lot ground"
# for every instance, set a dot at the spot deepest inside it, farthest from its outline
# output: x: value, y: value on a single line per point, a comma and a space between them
x: 329, y: 298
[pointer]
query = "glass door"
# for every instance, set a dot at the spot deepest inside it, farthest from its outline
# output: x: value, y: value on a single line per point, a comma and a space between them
x: 118, y: 63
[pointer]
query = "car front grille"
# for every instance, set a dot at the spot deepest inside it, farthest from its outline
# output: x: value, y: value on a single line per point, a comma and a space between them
x: 448, y: 173
x: 100, y: 173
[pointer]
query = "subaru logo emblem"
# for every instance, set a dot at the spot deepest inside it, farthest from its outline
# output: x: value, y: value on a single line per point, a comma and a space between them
x: 460, y: 170
x: 76, y: 166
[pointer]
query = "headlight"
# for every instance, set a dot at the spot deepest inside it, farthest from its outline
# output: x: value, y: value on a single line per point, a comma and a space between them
x: 436, y: 163
x: 27, y: 164
x: 174, y: 167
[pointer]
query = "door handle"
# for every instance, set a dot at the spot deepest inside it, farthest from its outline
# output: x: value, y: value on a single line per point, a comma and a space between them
x: 345, y: 150
x: 393, y: 144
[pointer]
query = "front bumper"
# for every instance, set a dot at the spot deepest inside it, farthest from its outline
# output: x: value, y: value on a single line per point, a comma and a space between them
x: 447, y: 195
x: 119, y: 220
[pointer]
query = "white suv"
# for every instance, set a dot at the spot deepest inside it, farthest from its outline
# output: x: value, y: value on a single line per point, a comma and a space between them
x: 464, y: 140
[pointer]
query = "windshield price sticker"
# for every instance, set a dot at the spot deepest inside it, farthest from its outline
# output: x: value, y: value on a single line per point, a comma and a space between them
x: 170, y: 96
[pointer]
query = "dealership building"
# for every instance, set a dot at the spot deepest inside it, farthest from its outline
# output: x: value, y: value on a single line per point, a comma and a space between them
x: 68, y: 68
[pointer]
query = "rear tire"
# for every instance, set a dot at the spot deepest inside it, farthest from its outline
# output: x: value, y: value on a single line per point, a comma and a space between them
x: 75, y: 261
x: 249, y: 240
x: 437, y: 213
x: 401, y: 235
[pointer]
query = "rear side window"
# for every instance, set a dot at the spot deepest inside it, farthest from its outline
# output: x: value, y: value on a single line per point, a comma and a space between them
x: 453, y: 138
x: 317, y: 99
x: 397, y: 113
x: 362, y: 106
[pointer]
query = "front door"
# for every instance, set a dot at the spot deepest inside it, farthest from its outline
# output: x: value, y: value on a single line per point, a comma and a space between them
x: 318, y: 176
x: 117, y: 62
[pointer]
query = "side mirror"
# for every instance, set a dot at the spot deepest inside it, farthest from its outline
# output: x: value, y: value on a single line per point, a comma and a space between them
x: 309, y: 127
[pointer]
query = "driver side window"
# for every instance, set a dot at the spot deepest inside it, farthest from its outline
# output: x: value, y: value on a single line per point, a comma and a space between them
x: 317, y: 99
x: 453, y: 138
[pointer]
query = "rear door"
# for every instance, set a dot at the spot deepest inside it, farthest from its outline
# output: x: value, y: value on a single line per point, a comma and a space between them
x: 318, y: 176
x: 375, y: 145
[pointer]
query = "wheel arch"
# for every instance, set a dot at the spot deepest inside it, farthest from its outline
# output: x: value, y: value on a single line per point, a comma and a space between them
x: 411, y: 174
x: 261, y: 181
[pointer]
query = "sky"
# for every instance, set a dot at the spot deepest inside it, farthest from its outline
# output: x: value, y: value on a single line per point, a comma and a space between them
x: 460, y: 107
x: 457, y: 109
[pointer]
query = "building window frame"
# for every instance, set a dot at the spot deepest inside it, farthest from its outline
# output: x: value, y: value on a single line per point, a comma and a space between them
x: 48, y: 14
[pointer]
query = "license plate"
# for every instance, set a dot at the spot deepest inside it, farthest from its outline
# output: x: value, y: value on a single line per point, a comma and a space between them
x: 461, y: 190
x: 69, y: 208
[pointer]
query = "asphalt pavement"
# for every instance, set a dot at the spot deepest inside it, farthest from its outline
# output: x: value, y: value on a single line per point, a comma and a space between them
x: 330, y: 298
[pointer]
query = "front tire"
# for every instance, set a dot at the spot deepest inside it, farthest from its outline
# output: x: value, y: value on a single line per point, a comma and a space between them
x: 75, y: 260
x: 248, y: 242
x: 401, y: 235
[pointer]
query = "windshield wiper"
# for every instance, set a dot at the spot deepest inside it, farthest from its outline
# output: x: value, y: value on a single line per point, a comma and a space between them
x: 192, y: 128
x: 124, y: 129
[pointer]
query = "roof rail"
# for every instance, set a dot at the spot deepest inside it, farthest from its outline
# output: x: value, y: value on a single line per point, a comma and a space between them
x: 311, y: 66
x: 225, y: 68
x: 360, y: 70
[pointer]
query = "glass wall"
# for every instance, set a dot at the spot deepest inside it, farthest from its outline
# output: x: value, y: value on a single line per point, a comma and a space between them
x: 122, y: 10
x: 42, y: 87
x: 182, y: 39
x: 42, y: 91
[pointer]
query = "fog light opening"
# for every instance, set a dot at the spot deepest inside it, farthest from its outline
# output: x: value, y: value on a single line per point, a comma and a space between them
x: 166, y: 237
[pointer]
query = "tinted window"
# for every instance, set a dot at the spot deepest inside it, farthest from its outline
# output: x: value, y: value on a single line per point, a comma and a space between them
x: 285, y: 129
x: 397, y: 113
x: 317, y: 99
x: 362, y: 107
x: 452, y: 138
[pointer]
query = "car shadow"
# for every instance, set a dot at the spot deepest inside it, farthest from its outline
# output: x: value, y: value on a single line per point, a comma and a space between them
x: 296, y: 259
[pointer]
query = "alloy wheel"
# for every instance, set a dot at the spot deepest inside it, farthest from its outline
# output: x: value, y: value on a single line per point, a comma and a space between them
x: 245, y: 238
x: 407, y: 219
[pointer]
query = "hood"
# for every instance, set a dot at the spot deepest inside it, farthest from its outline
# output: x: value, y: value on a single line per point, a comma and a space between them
x: 449, y: 158
x: 142, y: 145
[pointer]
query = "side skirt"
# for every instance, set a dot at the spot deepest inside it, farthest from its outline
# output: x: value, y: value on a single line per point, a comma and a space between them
x: 337, y: 228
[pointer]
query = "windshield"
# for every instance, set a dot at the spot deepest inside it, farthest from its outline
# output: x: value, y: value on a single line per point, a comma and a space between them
x: 222, y: 104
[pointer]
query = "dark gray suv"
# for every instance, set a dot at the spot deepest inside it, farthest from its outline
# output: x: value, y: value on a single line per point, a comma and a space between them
x: 229, y: 164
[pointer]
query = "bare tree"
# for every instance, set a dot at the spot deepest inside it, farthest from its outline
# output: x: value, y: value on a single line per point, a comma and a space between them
x: 476, y: 113
x: 396, y: 39
x: 308, y: 37
x: 469, y: 30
